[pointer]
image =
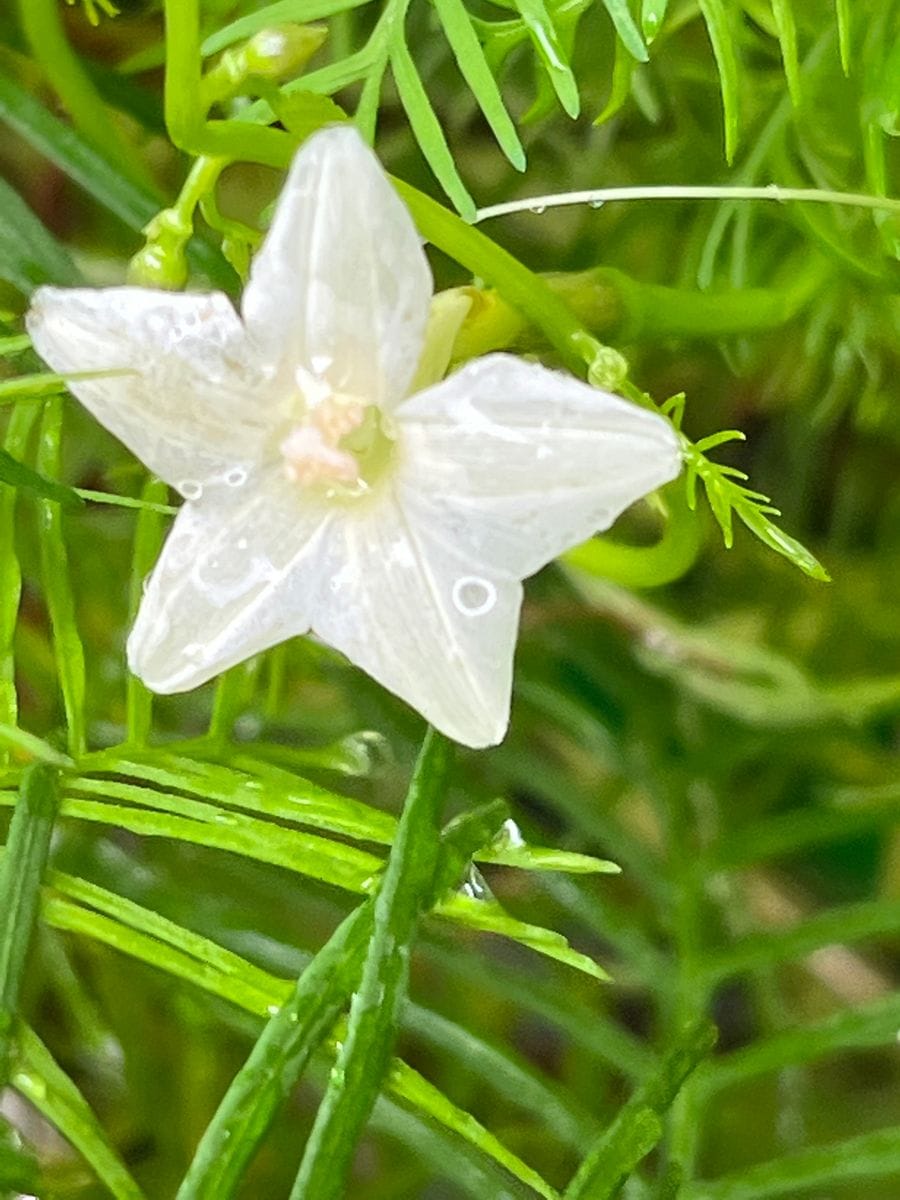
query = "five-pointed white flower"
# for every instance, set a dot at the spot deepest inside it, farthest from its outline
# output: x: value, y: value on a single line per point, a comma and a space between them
x: 321, y: 496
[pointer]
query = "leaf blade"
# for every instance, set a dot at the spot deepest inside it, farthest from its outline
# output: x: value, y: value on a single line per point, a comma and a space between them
x: 473, y: 65
x: 29, y: 254
x: 721, y: 35
x: 427, y: 129
x: 38, y: 1077
x: 627, y: 29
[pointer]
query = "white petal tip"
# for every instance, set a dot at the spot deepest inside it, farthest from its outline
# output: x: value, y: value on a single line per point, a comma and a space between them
x: 162, y: 682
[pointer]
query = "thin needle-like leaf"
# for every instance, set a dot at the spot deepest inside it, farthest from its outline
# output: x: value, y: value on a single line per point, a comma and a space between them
x: 299, y: 11
x: 58, y: 587
x: 427, y: 128
x: 787, y: 36
x: 866, y: 1157
x: 364, y: 1057
x: 457, y: 25
x: 652, y: 15
x: 21, y: 874
x: 627, y: 29
x: 637, y: 1128
x: 842, y: 12
x: 721, y: 34
x: 148, y: 535
x: 41, y: 1081
x: 551, y: 53
x: 17, y: 474
x: 131, y: 203
x: 18, y: 430
x: 277, y: 1060
x: 29, y: 254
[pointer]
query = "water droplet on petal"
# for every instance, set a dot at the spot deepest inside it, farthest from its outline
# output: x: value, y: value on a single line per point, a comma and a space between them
x: 190, y: 489
x: 236, y: 477
x: 537, y: 209
x: 473, y: 596
x: 595, y: 203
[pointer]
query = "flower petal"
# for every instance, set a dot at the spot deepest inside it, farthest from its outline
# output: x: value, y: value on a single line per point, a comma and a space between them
x: 341, y: 285
x: 515, y: 463
x: 420, y: 618
x: 186, y: 402
x: 236, y: 575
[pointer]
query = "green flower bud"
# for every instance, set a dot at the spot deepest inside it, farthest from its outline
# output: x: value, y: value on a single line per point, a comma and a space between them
x: 158, y: 266
x: 282, y: 50
x: 273, y: 54
x: 608, y: 369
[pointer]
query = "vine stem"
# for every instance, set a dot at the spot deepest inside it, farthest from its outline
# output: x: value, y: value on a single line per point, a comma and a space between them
x: 598, y: 197
x: 365, y: 1054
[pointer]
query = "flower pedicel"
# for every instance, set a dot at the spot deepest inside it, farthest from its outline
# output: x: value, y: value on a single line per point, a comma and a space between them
x: 320, y: 495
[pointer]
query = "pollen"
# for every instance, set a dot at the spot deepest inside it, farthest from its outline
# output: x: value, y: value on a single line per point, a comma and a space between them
x: 339, y: 443
x: 311, y: 456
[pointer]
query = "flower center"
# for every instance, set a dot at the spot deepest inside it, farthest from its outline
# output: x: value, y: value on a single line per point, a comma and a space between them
x: 341, y: 445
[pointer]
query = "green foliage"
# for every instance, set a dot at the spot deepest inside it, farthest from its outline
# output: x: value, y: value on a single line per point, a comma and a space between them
x: 727, y: 495
x: 216, y: 889
x: 29, y: 254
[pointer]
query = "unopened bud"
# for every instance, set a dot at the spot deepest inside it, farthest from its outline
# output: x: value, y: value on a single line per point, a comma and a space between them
x: 282, y: 50
x: 608, y: 370
x: 159, y: 267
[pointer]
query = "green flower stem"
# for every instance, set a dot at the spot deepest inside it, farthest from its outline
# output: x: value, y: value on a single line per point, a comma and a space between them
x: 528, y: 293
x: 148, y: 535
x: 233, y: 695
x: 162, y: 260
x: 302, y: 1022
x: 201, y: 180
x: 21, y: 873
x: 645, y: 566
x: 42, y: 24
x: 18, y: 429
x: 773, y: 193
x: 183, y: 105
x: 277, y: 1061
x: 610, y: 304
x: 364, y: 1058
x: 69, y: 652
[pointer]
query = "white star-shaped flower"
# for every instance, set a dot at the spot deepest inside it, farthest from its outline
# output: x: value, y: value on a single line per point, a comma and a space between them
x: 320, y: 495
